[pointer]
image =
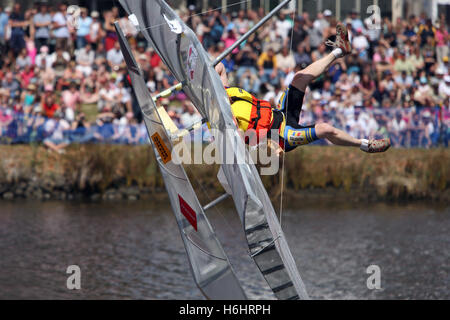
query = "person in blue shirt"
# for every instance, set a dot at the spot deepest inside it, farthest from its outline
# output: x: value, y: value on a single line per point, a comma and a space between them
x: 4, y: 18
x: 84, y: 25
x: 356, y: 21
x: 42, y: 22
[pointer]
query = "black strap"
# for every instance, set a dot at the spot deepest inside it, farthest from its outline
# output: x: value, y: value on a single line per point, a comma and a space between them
x: 258, y: 108
x: 258, y: 114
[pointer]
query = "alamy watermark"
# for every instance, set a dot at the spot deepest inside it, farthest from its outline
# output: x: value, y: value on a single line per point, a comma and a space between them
x: 374, y: 20
x: 73, y: 16
x: 374, y: 280
x: 74, y: 280
x: 228, y: 147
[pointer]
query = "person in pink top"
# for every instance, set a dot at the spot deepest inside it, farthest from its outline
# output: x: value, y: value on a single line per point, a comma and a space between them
x: 441, y: 38
x: 31, y: 49
x: 229, y: 38
x: 71, y: 97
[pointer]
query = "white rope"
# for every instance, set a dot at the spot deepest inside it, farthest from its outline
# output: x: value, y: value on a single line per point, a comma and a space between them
x: 287, y: 109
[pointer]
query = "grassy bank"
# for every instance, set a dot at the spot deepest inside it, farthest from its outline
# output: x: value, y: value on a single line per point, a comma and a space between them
x: 131, y: 172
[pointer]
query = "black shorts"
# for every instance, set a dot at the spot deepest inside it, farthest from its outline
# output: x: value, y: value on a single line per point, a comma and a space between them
x: 289, y: 108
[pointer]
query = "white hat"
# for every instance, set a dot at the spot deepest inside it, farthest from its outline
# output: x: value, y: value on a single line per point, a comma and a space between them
x: 327, y: 13
x: 94, y: 14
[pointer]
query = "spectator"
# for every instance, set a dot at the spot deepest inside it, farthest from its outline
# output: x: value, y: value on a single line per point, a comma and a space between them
x: 300, y: 32
x: 57, y: 141
x: 301, y: 56
x: 444, y: 88
x: 11, y: 84
x: 429, y: 132
x: 283, y: 24
x: 71, y: 98
x: 416, y: 59
x: 60, y: 61
x: 84, y: 27
x: 60, y: 29
x: 397, y: 130
x: 356, y: 22
x: 285, y: 61
x: 246, y: 60
x: 190, y: 116
x: 115, y: 57
x: 360, y: 42
x: 4, y: 18
x: 426, y: 31
x: 42, y: 22
x: 49, y: 105
x: 442, y: 43
x: 95, y: 30
x: 17, y: 23
x: 241, y: 23
x: 403, y: 65
x: 23, y: 59
x: 268, y: 69
x: 85, y: 58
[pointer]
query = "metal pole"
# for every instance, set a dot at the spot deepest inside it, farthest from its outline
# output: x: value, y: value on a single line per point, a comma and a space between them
x: 214, y: 202
x: 168, y: 92
x: 250, y: 32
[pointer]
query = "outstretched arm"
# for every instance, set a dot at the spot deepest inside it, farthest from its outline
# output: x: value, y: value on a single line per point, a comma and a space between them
x: 220, y: 68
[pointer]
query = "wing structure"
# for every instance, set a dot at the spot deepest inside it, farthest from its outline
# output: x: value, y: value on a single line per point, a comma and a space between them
x: 210, y: 267
x: 186, y: 58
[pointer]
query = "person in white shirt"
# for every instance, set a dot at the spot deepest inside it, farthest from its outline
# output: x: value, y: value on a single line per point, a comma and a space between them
x: 283, y: 25
x: 397, y: 129
x: 444, y: 88
x: 60, y: 29
x: 57, y: 142
x: 43, y: 55
x: 114, y: 56
x: 85, y: 59
x: 360, y: 42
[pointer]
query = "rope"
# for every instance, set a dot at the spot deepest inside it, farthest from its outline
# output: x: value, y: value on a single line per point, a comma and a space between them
x: 284, y: 154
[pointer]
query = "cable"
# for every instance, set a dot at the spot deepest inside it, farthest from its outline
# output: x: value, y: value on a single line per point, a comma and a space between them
x: 287, y: 109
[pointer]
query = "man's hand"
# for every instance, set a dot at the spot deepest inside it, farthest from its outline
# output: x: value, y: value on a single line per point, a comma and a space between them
x: 220, y: 69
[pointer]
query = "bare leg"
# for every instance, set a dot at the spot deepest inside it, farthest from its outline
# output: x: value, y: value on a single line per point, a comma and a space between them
x: 336, y: 136
x: 304, y: 77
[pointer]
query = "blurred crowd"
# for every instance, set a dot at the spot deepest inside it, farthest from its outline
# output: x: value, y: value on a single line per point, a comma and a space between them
x: 64, y: 80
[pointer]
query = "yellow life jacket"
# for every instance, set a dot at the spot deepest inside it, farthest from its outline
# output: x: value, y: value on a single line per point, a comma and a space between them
x: 250, y: 112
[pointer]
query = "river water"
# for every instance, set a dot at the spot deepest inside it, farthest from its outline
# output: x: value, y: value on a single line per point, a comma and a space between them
x: 132, y: 250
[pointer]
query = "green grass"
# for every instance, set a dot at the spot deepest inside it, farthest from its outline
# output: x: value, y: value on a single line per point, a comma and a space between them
x: 90, y: 111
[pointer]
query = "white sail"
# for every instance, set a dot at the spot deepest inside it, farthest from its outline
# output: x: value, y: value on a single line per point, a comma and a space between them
x: 186, y: 58
x: 209, y: 264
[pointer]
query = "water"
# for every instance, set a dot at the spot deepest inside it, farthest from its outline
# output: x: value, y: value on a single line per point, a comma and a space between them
x: 132, y: 250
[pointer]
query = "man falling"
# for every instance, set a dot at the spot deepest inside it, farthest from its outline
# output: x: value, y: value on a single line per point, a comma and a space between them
x: 251, y: 113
